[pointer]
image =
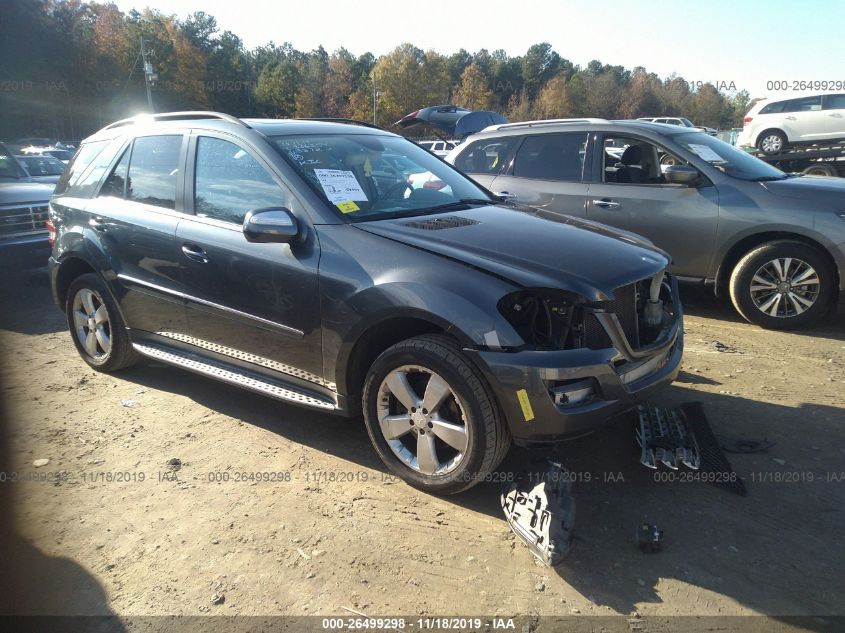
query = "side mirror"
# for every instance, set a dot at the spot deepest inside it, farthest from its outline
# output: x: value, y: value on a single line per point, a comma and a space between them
x: 275, y: 224
x: 681, y: 175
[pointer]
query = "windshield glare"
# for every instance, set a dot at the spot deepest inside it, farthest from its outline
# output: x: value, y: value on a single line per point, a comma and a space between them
x: 727, y: 158
x: 368, y: 177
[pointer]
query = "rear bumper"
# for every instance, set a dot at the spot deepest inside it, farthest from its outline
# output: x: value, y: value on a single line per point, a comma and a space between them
x: 21, y: 253
x: 619, y: 377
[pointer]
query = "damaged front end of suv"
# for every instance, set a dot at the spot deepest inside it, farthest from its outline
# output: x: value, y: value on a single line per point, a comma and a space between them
x: 585, y: 361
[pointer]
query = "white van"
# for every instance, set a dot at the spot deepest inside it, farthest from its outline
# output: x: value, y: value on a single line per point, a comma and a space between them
x: 774, y: 124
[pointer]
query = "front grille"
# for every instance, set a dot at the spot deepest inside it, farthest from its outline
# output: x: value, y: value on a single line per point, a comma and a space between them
x: 23, y: 220
x: 624, y: 306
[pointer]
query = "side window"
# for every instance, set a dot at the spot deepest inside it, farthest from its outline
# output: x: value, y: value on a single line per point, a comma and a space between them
x: 115, y: 184
x: 153, y: 169
x: 229, y: 182
x: 834, y: 102
x: 806, y: 104
x: 634, y: 161
x: 552, y: 157
x: 486, y: 156
x: 774, y: 108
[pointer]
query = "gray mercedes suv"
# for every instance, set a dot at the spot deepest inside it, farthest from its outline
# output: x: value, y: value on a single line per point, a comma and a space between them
x: 310, y: 262
x: 774, y: 242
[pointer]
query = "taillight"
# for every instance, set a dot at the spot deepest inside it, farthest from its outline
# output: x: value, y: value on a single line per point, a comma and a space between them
x: 747, y: 120
x: 51, y: 232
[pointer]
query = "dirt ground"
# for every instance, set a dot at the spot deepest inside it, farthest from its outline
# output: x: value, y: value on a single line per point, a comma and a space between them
x: 332, y: 534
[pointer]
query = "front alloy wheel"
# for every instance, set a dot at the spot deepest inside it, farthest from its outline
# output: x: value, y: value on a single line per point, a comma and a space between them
x: 785, y: 287
x: 782, y: 285
x: 428, y: 432
x: 431, y: 416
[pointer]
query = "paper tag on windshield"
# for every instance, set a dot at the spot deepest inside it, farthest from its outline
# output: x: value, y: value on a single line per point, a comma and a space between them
x: 340, y: 185
x: 706, y: 153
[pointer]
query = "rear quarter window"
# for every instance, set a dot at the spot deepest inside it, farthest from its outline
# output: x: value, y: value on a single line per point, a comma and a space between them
x: 86, y: 153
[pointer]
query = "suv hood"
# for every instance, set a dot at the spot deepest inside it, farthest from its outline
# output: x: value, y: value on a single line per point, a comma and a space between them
x: 20, y: 192
x: 804, y: 186
x: 531, y: 248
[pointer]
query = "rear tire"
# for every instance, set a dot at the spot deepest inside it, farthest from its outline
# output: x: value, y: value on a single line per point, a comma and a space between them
x: 466, y: 415
x: 772, y: 142
x: 782, y: 285
x: 820, y: 169
x: 95, y: 324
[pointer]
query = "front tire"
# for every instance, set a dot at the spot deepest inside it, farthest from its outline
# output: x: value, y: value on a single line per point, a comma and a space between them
x: 782, y: 285
x: 96, y: 326
x: 431, y: 417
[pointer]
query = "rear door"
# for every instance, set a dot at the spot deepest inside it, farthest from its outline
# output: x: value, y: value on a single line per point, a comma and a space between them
x: 833, y: 107
x: 548, y: 172
x: 253, y: 302
x: 633, y: 195
x: 133, y: 219
x: 804, y: 120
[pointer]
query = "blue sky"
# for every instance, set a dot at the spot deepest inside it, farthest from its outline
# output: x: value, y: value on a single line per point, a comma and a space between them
x: 747, y: 42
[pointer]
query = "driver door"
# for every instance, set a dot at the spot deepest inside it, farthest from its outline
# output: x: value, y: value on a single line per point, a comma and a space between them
x: 251, y: 301
x: 632, y: 194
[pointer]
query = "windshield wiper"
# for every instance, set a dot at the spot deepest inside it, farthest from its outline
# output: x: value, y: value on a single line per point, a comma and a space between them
x: 769, y: 178
x: 460, y: 203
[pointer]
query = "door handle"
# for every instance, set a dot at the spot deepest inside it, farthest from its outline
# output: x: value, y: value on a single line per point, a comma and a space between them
x: 836, y: 114
x: 791, y: 118
x: 97, y: 223
x: 607, y: 204
x: 195, y: 253
x: 505, y: 195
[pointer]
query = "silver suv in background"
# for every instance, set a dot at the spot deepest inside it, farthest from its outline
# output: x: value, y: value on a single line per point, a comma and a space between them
x: 774, y: 242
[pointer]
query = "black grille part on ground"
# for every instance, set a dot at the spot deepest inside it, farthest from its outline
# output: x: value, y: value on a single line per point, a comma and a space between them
x: 713, y: 459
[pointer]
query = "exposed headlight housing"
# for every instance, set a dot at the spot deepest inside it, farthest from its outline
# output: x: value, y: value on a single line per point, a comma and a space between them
x: 544, y: 319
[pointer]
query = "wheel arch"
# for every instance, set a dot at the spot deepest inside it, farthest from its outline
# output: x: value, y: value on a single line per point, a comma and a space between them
x: 69, y: 268
x: 750, y: 242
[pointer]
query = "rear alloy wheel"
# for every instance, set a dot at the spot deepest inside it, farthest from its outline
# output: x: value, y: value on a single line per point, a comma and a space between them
x: 782, y: 285
x: 96, y: 325
x: 430, y: 416
x: 772, y: 142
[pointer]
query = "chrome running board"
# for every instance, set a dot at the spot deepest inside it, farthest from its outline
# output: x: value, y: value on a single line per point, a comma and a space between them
x: 232, y: 377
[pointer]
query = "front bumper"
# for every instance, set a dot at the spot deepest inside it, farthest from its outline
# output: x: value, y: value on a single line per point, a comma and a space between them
x: 619, y: 377
x: 24, y: 252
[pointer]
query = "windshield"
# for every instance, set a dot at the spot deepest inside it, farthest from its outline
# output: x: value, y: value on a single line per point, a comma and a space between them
x: 369, y: 177
x: 727, y: 158
x: 9, y: 167
x: 43, y: 165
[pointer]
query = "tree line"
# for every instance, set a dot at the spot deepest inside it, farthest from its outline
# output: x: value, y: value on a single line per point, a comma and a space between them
x: 69, y: 67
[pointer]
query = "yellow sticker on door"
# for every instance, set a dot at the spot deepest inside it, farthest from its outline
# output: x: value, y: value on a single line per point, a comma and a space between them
x: 525, y: 403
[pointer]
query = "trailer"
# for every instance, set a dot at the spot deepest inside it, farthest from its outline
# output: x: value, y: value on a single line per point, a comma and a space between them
x: 810, y: 160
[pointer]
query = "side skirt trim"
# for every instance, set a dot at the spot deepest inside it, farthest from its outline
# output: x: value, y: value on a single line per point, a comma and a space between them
x: 232, y: 377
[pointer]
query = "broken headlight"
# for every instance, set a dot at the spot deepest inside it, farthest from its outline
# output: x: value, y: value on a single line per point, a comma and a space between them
x: 544, y: 319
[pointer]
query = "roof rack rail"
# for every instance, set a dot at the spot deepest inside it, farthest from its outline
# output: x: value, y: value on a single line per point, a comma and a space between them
x: 342, y: 120
x: 510, y: 126
x: 187, y: 115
